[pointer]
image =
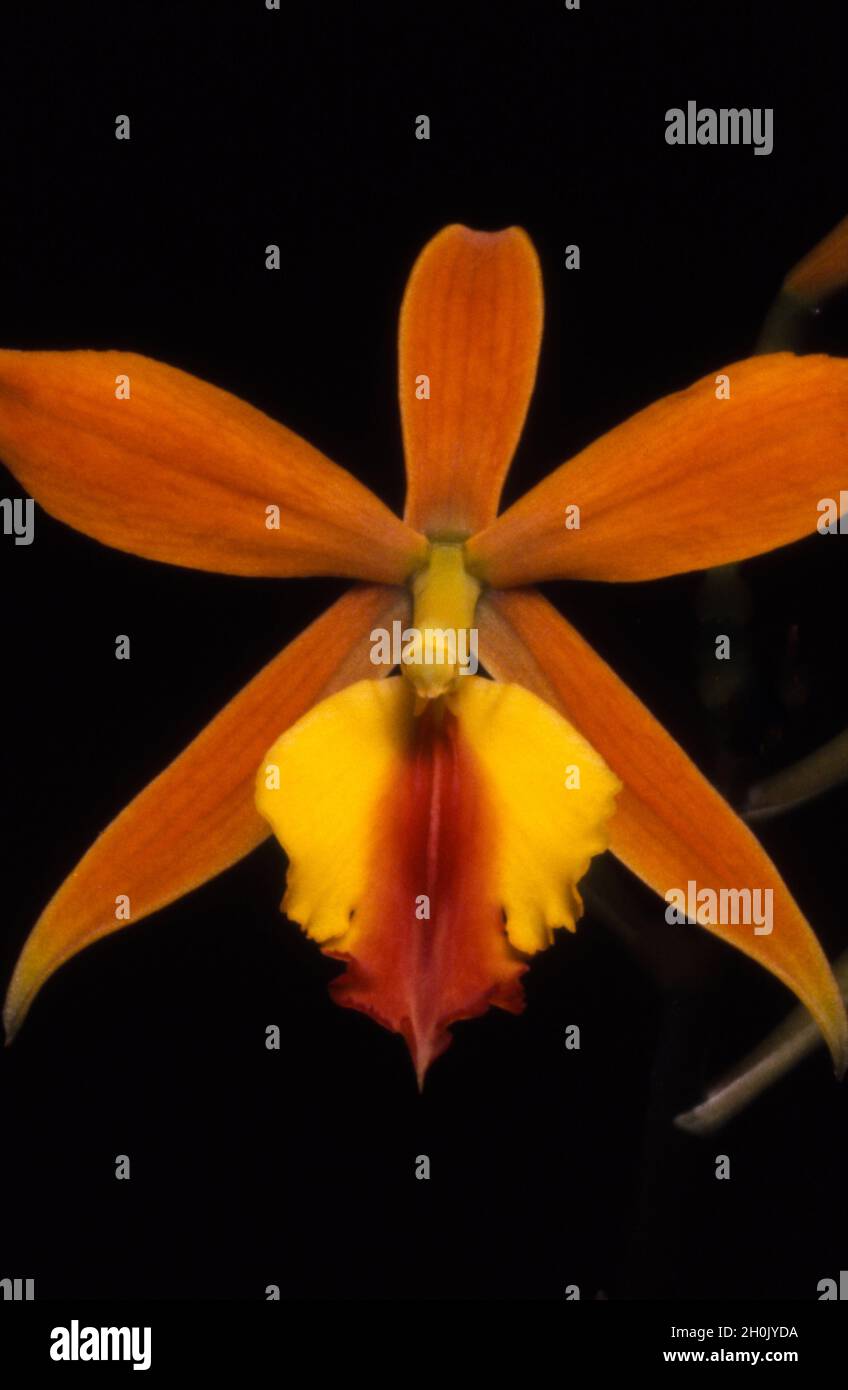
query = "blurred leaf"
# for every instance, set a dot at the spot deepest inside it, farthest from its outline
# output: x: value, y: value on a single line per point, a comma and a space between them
x: 782, y: 1050
x: 827, y: 767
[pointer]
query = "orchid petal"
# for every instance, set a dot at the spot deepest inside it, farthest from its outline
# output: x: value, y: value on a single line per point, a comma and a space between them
x: 697, y: 479
x: 166, y: 466
x: 470, y: 328
x: 198, y: 816
x: 670, y: 826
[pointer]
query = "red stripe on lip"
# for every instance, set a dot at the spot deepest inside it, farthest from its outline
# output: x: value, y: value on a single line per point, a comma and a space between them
x: 436, y: 840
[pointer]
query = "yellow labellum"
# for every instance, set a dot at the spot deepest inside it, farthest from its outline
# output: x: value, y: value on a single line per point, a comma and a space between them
x: 435, y: 852
x: 554, y: 795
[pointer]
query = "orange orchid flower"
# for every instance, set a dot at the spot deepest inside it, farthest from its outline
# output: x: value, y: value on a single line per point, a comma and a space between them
x: 437, y: 823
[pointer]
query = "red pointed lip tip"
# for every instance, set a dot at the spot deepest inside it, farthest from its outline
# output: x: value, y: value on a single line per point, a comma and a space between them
x: 421, y: 1062
x: 423, y: 1054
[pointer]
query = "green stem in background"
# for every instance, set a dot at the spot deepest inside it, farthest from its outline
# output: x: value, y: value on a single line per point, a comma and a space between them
x: 827, y: 767
x: 782, y: 1050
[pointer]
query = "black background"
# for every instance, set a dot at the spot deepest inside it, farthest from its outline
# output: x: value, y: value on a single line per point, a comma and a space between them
x: 296, y: 1167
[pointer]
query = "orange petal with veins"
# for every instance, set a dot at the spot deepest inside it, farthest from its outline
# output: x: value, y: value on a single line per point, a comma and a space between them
x: 184, y: 472
x: 471, y: 323
x: 670, y: 825
x: 690, y: 482
x: 199, y: 816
